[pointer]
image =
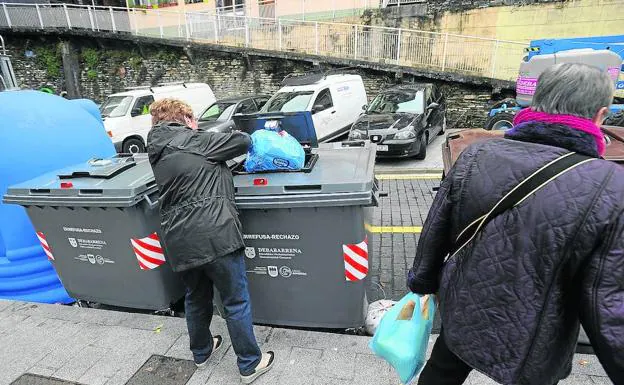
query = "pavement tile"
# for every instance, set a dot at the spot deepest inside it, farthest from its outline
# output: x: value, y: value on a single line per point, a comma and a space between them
x: 88, y: 380
x: 64, y: 351
x: 73, y: 313
x: 282, y: 356
x: 587, y: 364
x: 180, y: 348
x: 202, y: 376
x: 42, y: 371
x: 576, y: 379
x: 330, y: 381
x: 5, y: 304
x: 316, y: 340
x: 151, y: 322
x: 476, y: 378
x: 337, y: 365
x: 10, y: 373
x: 130, y: 365
x: 79, y: 364
x: 370, y: 369
x: 600, y: 380
x: 225, y: 372
x: 109, y: 364
x: 300, y: 365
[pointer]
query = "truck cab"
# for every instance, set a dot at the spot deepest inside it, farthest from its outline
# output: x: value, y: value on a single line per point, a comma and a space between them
x: 602, y: 51
x: 126, y: 114
x: 335, y: 101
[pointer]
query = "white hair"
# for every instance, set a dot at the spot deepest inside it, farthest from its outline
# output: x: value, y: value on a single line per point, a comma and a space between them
x: 573, y: 89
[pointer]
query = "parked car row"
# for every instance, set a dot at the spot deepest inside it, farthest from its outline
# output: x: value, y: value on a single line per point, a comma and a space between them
x: 402, y: 120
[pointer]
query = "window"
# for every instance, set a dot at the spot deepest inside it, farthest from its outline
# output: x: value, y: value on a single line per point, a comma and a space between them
x: 288, y: 102
x: 141, y: 106
x: 394, y: 101
x: 323, y: 101
x: 115, y: 106
x: 261, y: 101
x: 246, y: 107
x: 217, y: 112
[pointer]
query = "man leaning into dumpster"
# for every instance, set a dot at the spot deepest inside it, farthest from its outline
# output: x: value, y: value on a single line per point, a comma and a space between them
x: 201, y: 231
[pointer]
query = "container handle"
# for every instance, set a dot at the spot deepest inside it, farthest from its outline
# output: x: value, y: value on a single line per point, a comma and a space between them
x: 305, y: 187
x: 150, y: 202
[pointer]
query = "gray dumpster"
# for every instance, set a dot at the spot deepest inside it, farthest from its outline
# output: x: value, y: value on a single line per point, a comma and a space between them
x: 307, y: 236
x: 98, y: 223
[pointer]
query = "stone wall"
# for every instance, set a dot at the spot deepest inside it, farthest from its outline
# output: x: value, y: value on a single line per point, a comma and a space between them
x: 109, y: 66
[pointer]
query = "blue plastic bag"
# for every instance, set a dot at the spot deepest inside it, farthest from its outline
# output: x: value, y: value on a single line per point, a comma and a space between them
x: 274, y: 150
x: 402, y: 336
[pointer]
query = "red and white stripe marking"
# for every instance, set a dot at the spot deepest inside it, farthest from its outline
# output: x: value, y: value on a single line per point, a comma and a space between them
x: 356, y: 261
x: 148, y: 251
x: 44, y: 244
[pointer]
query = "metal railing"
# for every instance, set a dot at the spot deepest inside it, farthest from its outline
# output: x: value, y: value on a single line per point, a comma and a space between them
x: 431, y: 51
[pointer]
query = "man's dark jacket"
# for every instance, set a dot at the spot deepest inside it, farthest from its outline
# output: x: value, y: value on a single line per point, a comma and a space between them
x: 512, y: 299
x: 199, y: 220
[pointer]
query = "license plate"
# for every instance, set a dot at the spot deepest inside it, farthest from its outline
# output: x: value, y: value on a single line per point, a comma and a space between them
x: 382, y: 148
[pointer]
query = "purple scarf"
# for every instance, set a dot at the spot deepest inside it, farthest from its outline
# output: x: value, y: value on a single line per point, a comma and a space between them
x: 575, y: 122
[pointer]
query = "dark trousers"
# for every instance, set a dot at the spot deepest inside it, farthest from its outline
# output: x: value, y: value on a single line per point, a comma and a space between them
x: 228, y: 275
x: 444, y: 367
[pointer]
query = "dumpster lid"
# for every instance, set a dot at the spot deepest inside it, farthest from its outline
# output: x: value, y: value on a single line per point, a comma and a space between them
x: 297, y: 124
x: 100, y: 168
x: 338, y: 170
x: 122, y: 180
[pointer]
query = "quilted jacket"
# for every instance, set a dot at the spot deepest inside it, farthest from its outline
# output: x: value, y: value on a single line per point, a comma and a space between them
x: 199, y: 219
x: 511, y: 301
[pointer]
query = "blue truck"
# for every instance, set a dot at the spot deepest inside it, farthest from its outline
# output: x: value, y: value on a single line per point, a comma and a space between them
x: 500, y: 116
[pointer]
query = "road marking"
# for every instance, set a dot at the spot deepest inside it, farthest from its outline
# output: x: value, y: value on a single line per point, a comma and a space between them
x: 408, y: 176
x: 396, y: 229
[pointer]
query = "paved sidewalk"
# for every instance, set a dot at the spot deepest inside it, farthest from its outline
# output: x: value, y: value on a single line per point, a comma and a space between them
x: 105, y: 347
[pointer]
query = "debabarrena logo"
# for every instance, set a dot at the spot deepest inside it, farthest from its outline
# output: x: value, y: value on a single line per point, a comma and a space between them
x: 250, y: 252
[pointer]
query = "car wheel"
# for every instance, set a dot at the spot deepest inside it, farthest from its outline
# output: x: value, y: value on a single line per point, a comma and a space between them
x: 422, y: 154
x: 133, y: 146
x: 443, y: 129
x: 500, y: 121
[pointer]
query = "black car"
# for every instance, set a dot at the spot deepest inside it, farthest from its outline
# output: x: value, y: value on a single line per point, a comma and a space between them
x: 218, y: 116
x: 402, y: 120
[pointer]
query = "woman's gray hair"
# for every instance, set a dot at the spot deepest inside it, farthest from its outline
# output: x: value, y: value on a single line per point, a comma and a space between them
x: 573, y: 89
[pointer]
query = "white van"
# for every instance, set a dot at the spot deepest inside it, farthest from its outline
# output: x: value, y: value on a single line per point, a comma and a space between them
x: 335, y: 101
x: 126, y: 114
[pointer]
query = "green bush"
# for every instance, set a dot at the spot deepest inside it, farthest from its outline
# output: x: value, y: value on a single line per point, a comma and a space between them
x: 50, y: 59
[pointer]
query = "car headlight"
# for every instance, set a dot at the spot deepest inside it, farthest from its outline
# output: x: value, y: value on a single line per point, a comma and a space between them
x: 357, y: 134
x: 407, y: 133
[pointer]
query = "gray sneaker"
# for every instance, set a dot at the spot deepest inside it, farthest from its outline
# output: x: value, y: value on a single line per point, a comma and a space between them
x: 217, y: 344
x: 265, y: 364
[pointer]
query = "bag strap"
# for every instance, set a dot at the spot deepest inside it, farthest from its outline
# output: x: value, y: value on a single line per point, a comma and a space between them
x: 518, y: 194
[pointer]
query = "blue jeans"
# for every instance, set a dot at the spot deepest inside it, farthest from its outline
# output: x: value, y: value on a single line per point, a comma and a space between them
x: 228, y: 275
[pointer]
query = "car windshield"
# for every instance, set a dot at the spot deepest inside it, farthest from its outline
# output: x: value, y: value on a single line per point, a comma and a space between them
x: 218, y: 112
x: 116, y: 106
x: 288, y: 102
x: 398, y: 101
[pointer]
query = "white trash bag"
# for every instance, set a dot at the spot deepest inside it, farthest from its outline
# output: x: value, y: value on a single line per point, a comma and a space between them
x: 376, y: 311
